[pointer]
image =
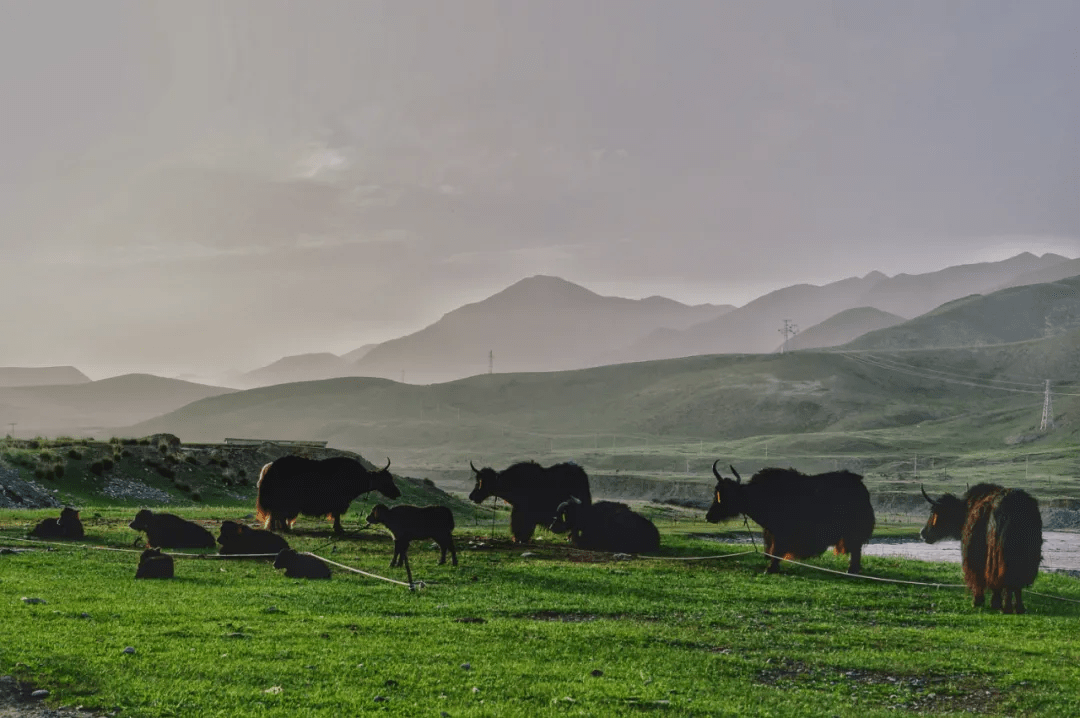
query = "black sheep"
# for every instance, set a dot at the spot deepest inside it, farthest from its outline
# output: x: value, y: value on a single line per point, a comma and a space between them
x: 68, y: 526
x: 407, y: 523
x: 301, y: 565
x: 170, y: 531
x: 154, y: 564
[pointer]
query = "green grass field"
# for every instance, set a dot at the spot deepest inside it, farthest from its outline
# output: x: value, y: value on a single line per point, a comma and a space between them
x: 560, y: 632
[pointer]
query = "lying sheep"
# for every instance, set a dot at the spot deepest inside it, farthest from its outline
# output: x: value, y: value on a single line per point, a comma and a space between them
x: 68, y: 526
x: 299, y: 565
x: 154, y: 564
x: 407, y: 523
x: 237, y: 539
x: 607, y: 526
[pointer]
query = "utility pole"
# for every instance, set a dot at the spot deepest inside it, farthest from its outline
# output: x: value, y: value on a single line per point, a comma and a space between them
x: 1048, y: 410
x: 491, y: 361
x: 788, y: 331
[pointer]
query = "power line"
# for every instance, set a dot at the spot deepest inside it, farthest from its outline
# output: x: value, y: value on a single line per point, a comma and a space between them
x: 870, y: 360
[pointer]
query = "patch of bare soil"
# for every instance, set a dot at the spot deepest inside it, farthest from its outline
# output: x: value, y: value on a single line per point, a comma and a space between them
x: 924, y: 693
x: 17, y: 700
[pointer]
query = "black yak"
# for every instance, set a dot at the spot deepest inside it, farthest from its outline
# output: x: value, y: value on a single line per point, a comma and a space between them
x: 154, y: 564
x: 170, y: 531
x: 407, y: 523
x: 533, y: 491
x: 1000, y: 532
x: 800, y: 515
x: 607, y: 526
x: 237, y: 539
x: 301, y: 565
x: 68, y: 526
x: 293, y: 485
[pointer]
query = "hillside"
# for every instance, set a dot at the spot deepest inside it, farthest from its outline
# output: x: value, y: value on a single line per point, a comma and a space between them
x: 842, y: 328
x: 538, y: 324
x: 41, y: 376
x: 1017, y: 314
x: 669, y: 416
x: 91, y: 406
x: 304, y: 367
x: 753, y: 327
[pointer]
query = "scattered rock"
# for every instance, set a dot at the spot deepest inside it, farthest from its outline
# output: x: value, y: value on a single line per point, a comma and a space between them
x: 466, y: 666
x: 273, y: 690
x: 597, y: 673
x: 39, y: 694
x: 528, y: 554
x: 33, y: 600
x: 130, y: 650
x: 379, y: 699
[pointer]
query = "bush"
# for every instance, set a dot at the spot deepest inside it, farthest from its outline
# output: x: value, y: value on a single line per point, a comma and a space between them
x: 97, y: 467
x: 165, y: 471
x: 58, y: 471
x: 107, y: 463
x: 39, y: 472
x: 182, y: 486
x: 190, y: 458
x: 196, y: 496
x: 74, y: 453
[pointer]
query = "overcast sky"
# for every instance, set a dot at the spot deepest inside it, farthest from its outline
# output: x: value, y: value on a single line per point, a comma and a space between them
x: 191, y: 186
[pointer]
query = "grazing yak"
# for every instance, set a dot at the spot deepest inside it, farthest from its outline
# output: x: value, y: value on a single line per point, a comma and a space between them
x: 533, y: 491
x: 301, y: 565
x: 407, y: 523
x: 800, y: 515
x: 171, y: 531
x: 293, y: 485
x: 154, y: 564
x: 237, y: 539
x: 1000, y: 532
x: 606, y: 526
x: 68, y: 526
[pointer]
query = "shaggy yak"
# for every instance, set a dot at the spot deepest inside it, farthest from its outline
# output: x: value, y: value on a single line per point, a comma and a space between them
x: 1000, y: 532
x: 68, y: 526
x: 171, y: 531
x: 533, y: 491
x: 237, y: 539
x: 607, y: 526
x: 300, y: 565
x: 293, y: 485
x: 800, y: 515
x: 154, y: 564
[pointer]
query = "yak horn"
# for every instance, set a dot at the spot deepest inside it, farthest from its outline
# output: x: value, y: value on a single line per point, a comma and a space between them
x: 715, y: 472
x: 475, y: 471
x: 387, y: 464
x: 932, y: 502
x: 738, y: 479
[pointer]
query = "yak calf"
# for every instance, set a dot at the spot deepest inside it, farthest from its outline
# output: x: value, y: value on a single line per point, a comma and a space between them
x: 154, y: 564
x: 301, y: 565
x: 1000, y: 532
x: 68, y: 526
x: 237, y: 539
x: 407, y: 523
x: 606, y: 526
x: 170, y: 531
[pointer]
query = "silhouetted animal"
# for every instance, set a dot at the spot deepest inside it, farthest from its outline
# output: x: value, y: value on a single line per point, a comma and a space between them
x: 293, y: 485
x: 154, y: 564
x: 237, y: 539
x: 533, y: 491
x: 1000, y: 532
x: 607, y: 526
x: 800, y: 515
x: 407, y: 523
x: 170, y: 531
x: 68, y: 526
x: 300, y: 565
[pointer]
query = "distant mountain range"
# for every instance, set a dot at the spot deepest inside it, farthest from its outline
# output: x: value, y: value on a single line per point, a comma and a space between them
x: 842, y: 328
x: 41, y: 376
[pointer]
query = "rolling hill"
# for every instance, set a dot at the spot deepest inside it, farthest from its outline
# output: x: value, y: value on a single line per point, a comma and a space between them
x: 1030, y: 311
x: 90, y: 406
x: 842, y: 328
x: 41, y: 376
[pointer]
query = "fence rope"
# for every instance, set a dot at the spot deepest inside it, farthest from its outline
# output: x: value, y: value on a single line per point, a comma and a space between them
x: 365, y: 573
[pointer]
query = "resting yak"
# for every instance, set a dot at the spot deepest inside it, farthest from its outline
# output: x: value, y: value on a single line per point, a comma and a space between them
x: 606, y: 526
x: 154, y: 564
x: 533, y: 491
x: 293, y: 485
x: 301, y: 565
x: 1000, y: 532
x: 236, y: 539
x: 68, y: 526
x: 171, y: 531
x: 800, y: 515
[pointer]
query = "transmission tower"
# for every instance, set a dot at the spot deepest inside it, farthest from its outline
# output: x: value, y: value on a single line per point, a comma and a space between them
x: 491, y: 361
x: 1048, y: 410
x: 788, y: 331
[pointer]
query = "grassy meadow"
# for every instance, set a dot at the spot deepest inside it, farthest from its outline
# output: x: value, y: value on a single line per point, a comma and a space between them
x: 519, y: 631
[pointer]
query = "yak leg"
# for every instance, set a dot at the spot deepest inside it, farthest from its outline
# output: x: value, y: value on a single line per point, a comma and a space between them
x: 855, y: 565
x: 337, y: 524
x: 1019, y: 601
x: 522, y: 525
x: 401, y: 549
x: 408, y: 569
x: 1008, y: 607
x: 978, y: 597
x: 453, y: 554
x: 995, y: 599
x: 770, y: 548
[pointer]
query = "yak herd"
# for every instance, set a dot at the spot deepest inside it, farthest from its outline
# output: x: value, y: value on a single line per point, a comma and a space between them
x: 801, y: 515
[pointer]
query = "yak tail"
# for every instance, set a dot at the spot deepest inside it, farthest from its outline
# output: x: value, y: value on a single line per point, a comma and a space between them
x: 841, y: 547
x: 261, y: 514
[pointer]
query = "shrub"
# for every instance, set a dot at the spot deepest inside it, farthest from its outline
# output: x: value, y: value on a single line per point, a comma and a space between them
x: 163, y: 447
x: 182, y: 486
x: 97, y: 467
x: 190, y: 458
x: 165, y: 471
x: 107, y: 463
x: 58, y: 471
x: 39, y: 472
x: 196, y: 496
x: 74, y: 453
